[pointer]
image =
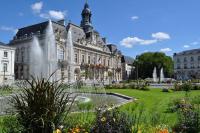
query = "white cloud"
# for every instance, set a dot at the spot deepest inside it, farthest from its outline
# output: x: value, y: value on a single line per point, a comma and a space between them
x: 44, y: 15
x: 9, y: 29
x: 134, y: 18
x: 129, y: 42
x: 54, y: 15
x: 161, y: 36
x: 148, y: 42
x: 194, y: 43
x: 37, y: 7
x: 165, y: 50
x: 186, y: 46
x: 57, y: 14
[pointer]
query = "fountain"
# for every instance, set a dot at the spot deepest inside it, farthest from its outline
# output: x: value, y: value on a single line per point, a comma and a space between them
x: 43, y: 61
x: 155, y: 79
x: 70, y: 57
x: 162, y: 77
x: 51, y: 51
x: 37, y: 59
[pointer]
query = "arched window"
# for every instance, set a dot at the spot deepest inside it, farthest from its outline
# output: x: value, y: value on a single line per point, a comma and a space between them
x: 60, y: 54
x: 192, y: 59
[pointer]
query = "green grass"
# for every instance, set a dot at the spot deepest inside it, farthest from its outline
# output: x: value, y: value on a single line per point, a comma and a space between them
x: 154, y: 101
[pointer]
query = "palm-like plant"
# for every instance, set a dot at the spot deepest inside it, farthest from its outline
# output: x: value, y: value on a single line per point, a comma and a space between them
x: 42, y: 105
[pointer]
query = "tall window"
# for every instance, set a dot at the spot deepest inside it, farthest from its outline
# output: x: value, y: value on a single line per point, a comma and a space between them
x: 192, y: 59
x: 60, y: 54
x: 104, y: 62
x: 185, y: 59
x: 76, y: 58
x: 185, y: 66
x: 94, y: 60
x: 198, y: 58
x: 17, y: 55
x: 178, y: 66
x: 83, y: 59
x: 5, y: 54
x: 88, y: 59
x: 5, y: 67
x: 192, y: 65
x: 178, y: 60
x: 108, y: 62
x: 22, y: 53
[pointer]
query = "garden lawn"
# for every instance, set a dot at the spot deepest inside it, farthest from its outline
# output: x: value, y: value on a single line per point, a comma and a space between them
x: 155, y: 100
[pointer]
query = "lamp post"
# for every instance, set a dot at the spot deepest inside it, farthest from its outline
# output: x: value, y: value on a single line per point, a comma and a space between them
x: 4, y: 74
x: 137, y: 64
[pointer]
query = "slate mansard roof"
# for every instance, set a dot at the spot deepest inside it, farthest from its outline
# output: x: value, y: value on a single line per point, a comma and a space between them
x: 188, y: 52
x: 1, y: 43
x: 5, y: 46
x: 127, y: 60
x: 36, y: 29
x: 113, y: 49
x: 76, y: 31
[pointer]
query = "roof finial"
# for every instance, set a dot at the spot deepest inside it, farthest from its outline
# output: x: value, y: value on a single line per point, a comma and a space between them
x: 86, y: 4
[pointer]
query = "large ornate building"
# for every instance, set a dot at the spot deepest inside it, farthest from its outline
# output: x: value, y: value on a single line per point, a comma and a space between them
x: 187, y: 64
x: 93, y: 57
x: 7, y: 55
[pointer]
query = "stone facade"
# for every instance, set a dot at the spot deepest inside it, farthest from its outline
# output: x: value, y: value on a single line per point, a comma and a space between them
x: 187, y: 65
x: 7, y: 55
x: 93, y: 57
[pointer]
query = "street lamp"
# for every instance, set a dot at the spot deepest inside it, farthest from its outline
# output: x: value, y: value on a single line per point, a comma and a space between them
x: 137, y: 63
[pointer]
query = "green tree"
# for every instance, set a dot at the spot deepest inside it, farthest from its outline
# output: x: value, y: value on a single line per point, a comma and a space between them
x: 146, y: 62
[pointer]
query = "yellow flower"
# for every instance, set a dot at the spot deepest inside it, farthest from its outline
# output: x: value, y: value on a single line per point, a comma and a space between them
x: 103, y: 119
x: 58, y: 131
x: 77, y: 130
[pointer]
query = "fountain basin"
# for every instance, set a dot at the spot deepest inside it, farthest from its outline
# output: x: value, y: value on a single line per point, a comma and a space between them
x: 95, y: 100
x: 84, y: 99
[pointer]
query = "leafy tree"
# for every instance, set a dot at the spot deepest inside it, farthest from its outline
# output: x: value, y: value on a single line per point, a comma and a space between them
x: 146, y: 62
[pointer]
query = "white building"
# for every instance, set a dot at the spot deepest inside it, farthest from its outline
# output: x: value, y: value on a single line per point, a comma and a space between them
x: 187, y: 64
x: 127, y: 67
x: 7, y: 57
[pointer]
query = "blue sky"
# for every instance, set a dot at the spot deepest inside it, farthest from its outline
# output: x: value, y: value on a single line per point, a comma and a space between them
x: 136, y: 26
